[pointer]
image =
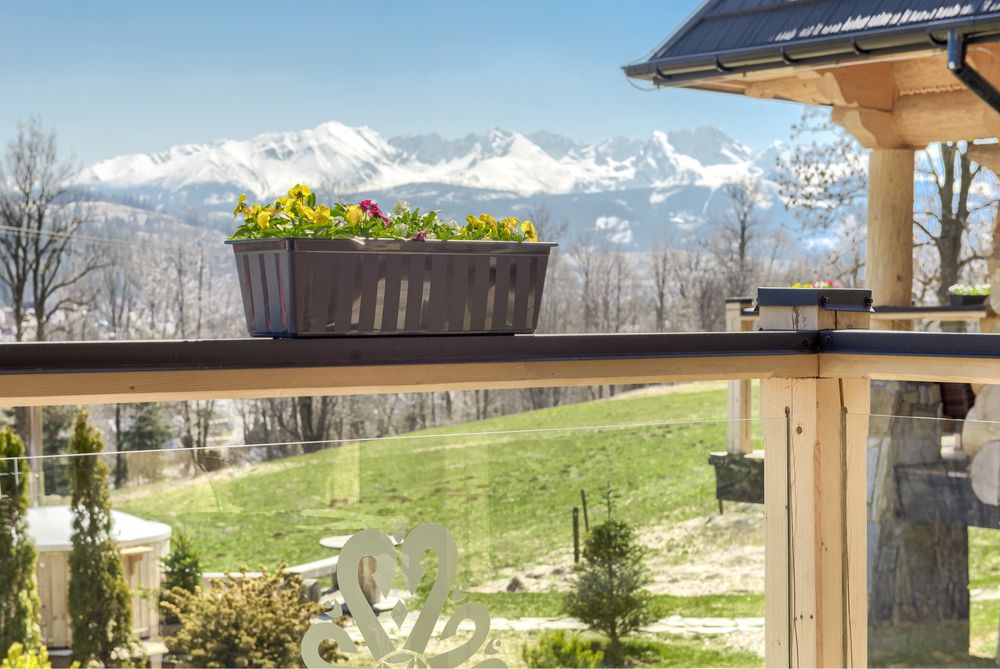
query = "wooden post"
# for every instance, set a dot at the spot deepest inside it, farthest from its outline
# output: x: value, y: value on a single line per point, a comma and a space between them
x: 889, y: 255
x: 576, y: 535
x: 815, y: 434
x: 36, y: 485
x: 739, y: 439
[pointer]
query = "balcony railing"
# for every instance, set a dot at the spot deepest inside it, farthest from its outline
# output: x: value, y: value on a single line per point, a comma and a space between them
x: 815, y: 360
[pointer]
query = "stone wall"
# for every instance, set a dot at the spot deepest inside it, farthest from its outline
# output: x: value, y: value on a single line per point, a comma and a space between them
x: 917, y: 572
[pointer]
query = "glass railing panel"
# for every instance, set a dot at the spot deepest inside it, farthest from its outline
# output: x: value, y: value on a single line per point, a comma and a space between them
x: 487, y: 540
x: 933, y: 526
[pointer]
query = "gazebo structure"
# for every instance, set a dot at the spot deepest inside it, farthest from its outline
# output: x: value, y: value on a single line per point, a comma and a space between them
x: 141, y: 543
x: 898, y: 75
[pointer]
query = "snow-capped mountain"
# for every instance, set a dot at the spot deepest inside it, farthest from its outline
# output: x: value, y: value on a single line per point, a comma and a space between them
x: 643, y: 185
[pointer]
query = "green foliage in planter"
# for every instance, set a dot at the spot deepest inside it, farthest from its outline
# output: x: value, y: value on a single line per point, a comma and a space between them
x: 608, y: 591
x: 242, y: 621
x: 560, y: 649
x: 963, y: 289
x: 20, y: 609
x: 181, y: 570
x: 298, y: 215
x: 100, y: 605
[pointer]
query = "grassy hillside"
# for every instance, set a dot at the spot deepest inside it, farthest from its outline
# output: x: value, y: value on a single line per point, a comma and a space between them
x: 505, y: 488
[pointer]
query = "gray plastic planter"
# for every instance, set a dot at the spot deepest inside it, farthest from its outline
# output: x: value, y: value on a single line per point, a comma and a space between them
x: 323, y: 287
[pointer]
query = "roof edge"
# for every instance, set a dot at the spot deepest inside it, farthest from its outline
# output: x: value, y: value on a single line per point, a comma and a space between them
x: 815, y: 51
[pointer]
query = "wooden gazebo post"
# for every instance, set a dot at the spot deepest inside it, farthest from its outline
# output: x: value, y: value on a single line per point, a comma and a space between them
x: 890, y: 229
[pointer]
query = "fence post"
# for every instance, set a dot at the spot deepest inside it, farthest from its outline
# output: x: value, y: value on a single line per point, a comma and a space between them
x: 739, y: 439
x: 36, y: 484
x: 815, y: 433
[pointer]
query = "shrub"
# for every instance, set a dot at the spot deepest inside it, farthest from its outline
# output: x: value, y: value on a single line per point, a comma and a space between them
x: 19, y: 657
x: 100, y: 606
x: 558, y: 649
x: 608, y: 592
x: 181, y: 570
x: 242, y: 621
x: 20, y: 609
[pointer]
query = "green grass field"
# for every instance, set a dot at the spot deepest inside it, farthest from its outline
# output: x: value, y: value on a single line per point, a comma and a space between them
x: 506, y: 491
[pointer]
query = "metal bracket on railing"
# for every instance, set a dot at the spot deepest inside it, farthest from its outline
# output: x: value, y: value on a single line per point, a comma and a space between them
x: 828, y: 299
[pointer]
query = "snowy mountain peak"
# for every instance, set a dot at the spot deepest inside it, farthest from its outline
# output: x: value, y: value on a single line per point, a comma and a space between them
x: 355, y: 159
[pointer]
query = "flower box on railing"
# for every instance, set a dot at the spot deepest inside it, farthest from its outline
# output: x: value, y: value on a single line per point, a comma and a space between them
x: 315, y: 287
x: 309, y: 270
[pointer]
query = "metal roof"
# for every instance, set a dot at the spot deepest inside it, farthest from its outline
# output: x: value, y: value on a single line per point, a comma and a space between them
x: 725, y: 36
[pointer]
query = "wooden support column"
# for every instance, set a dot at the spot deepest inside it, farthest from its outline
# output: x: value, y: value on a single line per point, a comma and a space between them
x: 889, y: 255
x: 740, y: 430
x: 815, y: 433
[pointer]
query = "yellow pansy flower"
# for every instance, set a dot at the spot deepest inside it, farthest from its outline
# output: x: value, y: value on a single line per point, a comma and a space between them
x: 528, y: 228
x: 264, y: 218
x: 322, y: 214
x: 486, y: 218
x: 510, y: 222
x: 299, y: 191
x: 306, y: 211
x: 473, y: 222
x: 240, y: 204
x: 354, y: 214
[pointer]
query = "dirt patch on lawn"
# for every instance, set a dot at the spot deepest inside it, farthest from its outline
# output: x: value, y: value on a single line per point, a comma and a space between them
x: 708, y: 555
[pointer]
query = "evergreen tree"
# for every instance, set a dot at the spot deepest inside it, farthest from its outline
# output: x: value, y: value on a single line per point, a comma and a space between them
x: 100, y: 606
x: 20, y: 609
x: 57, y: 423
x: 149, y: 431
x: 181, y: 571
x: 608, y: 594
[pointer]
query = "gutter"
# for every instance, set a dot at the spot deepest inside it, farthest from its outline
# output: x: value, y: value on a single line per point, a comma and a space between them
x: 975, y: 82
x: 815, y: 51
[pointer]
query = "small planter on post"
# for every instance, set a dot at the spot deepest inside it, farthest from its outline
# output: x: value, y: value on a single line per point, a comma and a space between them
x: 968, y: 300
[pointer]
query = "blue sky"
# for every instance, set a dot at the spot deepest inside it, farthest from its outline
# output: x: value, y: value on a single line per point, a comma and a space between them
x: 126, y: 77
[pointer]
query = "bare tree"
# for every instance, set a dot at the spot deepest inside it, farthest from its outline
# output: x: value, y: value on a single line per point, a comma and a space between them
x: 736, y: 234
x: 946, y: 225
x: 824, y: 178
x: 39, y: 219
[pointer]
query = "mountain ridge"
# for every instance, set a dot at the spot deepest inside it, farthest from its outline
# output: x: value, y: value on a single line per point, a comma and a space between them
x: 664, y: 184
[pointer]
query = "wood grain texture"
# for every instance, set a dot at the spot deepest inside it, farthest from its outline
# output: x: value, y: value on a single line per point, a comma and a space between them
x: 909, y: 368
x: 815, y: 434
x: 739, y: 436
x: 890, y: 227
x: 48, y: 389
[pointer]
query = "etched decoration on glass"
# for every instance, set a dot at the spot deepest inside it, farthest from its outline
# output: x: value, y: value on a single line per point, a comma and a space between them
x: 355, y: 559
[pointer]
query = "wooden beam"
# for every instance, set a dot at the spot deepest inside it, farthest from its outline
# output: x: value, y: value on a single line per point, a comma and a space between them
x: 889, y: 266
x: 872, y: 128
x: 899, y: 101
x: 739, y: 436
x: 815, y: 573
x: 987, y: 155
x: 956, y: 316
x: 54, y: 388
x: 931, y: 369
